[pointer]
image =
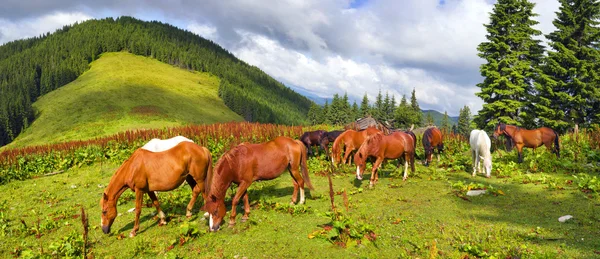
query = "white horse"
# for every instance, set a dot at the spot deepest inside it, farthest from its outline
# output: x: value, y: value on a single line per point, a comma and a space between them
x: 480, y: 150
x: 159, y: 145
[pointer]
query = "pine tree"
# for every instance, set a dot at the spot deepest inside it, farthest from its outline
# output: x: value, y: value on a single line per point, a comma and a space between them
x: 315, y: 115
x: 417, y: 114
x: 326, y: 113
x: 385, y: 107
x: 568, y: 88
x: 392, y: 108
x: 464, y: 121
x: 403, y: 114
x: 377, y: 108
x: 364, y: 106
x: 355, y: 112
x: 429, y: 119
x: 512, y: 56
x: 446, y: 123
x: 346, y: 116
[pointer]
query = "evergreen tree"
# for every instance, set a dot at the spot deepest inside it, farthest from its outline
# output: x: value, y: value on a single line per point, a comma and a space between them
x: 326, y: 113
x: 346, y: 116
x: 568, y: 88
x: 335, y: 110
x: 464, y: 121
x: 364, y: 106
x: 417, y: 114
x: 429, y: 119
x: 378, y: 107
x: 512, y: 56
x: 392, y: 108
x: 315, y: 115
x: 355, y: 112
x: 403, y: 114
x: 446, y: 123
x: 386, y: 107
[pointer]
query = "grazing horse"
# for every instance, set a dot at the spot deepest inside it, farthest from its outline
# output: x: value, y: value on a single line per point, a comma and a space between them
x: 529, y: 138
x: 352, y: 140
x: 432, y: 138
x: 329, y: 137
x: 159, y: 145
x: 247, y: 163
x: 313, y: 138
x: 480, y: 150
x: 382, y: 147
x: 146, y: 172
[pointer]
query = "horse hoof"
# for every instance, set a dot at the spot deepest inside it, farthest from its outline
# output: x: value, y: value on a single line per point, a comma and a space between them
x: 244, y: 219
x: 132, y: 234
x: 162, y: 223
x: 231, y: 224
x: 188, y: 215
x: 404, y: 178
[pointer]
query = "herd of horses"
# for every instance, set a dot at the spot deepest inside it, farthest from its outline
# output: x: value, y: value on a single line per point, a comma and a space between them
x: 163, y: 165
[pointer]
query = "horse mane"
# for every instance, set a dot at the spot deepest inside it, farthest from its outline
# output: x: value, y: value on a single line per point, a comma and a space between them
x: 427, y: 139
x: 225, y: 160
x: 414, y: 137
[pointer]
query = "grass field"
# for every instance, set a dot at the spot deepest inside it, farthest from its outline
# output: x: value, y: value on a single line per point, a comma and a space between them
x: 122, y: 91
x: 427, y: 216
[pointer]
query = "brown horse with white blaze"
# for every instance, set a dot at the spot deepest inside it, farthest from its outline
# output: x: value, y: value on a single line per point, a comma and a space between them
x: 247, y: 163
x: 432, y: 138
x: 146, y: 172
x: 394, y: 146
x: 351, y: 140
x: 529, y: 138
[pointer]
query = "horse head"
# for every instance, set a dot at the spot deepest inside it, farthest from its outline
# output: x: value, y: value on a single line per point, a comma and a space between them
x: 109, y: 213
x: 216, y: 209
x: 487, y: 165
x: 366, y: 149
x: 499, y: 130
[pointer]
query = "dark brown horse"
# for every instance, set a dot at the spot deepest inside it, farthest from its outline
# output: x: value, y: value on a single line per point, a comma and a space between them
x: 351, y: 140
x: 529, y: 138
x: 432, y: 138
x: 394, y: 146
x: 146, y: 172
x: 329, y: 137
x: 314, y: 138
x: 247, y: 163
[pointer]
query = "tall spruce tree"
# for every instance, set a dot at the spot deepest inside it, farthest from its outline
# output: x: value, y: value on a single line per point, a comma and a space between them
x: 378, y: 107
x: 446, y: 123
x: 315, y: 115
x: 512, y: 56
x: 568, y: 88
x: 464, y: 121
x: 417, y: 114
x: 355, y: 111
x: 429, y: 119
x: 386, y: 107
x: 364, y: 106
x: 403, y: 114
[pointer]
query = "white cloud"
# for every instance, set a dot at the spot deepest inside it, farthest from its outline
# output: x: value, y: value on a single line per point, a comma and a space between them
x: 14, y: 30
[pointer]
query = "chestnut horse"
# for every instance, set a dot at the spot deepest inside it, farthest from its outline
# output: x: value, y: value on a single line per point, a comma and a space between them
x: 313, y: 138
x: 329, y: 137
x: 529, y: 138
x: 432, y: 138
x: 247, y: 163
x: 394, y: 146
x: 146, y: 171
x: 352, y: 140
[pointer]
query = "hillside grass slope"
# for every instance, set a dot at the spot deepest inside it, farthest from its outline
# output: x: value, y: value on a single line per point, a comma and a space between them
x: 121, y: 92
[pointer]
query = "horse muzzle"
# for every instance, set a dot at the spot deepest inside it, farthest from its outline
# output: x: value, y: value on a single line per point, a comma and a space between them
x: 106, y: 229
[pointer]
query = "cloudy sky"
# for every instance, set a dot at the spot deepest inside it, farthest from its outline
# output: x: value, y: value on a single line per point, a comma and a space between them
x: 317, y: 47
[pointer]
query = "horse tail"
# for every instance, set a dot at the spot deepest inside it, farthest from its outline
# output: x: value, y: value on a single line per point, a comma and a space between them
x: 556, y: 144
x: 209, y: 174
x: 305, y: 170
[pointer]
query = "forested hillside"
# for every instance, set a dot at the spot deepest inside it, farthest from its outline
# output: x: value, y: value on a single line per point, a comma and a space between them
x: 33, y: 67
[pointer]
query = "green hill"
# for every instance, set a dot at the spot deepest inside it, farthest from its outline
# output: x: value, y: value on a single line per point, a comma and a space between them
x: 438, y: 117
x: 123, y: 91
x: 33, y: 67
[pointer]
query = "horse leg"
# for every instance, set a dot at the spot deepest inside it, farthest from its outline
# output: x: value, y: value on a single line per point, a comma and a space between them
x: 161, y: 215
x: 475, y: 161
x: 196, y: 189
x: 375, y: 171
x: 298, y: 182
x: 139, y: 196
x: 406, y: 158
x: 241, y: 191
x: 520, y: 153
x: 347, y: 154
x: 246, y: 208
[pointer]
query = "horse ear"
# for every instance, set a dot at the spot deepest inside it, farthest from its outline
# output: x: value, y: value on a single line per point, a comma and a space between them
x: 105, y: 196
x: 213, y: 198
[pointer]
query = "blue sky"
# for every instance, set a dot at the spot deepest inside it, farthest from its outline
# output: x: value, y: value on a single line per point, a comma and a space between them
x: 317, y: 47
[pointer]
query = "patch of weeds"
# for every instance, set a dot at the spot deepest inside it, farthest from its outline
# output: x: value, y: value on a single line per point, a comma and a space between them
x: 4, y: 221
x: 126, y: 197
x: 587, y: 183
x: 68, y: 246
x: 344, y: 231
x: 474, y: 250
x: 461, y: 188
x: 285, y: 208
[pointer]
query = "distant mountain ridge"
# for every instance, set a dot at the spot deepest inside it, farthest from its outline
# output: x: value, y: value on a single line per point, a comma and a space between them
x: 438, y: 117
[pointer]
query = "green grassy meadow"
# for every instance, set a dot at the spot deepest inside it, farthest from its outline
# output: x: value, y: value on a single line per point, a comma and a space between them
x: 427, y: 216
x: 122, y: 91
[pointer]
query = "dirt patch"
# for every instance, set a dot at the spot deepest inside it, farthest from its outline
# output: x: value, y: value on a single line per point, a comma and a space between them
x: 147, y: 110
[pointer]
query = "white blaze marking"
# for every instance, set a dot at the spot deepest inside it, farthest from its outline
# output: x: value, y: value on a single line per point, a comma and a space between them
x: 357, y: 173
x: 210, y: 222
x: 405, y: 168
